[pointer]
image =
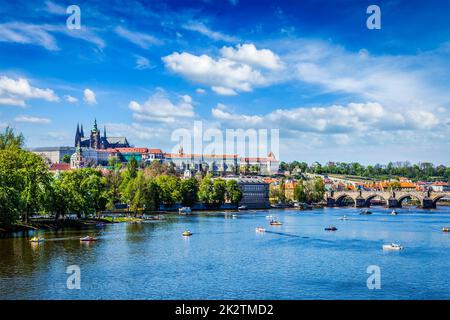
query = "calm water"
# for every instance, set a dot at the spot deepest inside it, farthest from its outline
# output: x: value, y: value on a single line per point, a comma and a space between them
x: 227, y: 259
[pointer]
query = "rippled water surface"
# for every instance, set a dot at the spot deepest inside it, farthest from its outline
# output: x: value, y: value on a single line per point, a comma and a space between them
x: 226, y: 259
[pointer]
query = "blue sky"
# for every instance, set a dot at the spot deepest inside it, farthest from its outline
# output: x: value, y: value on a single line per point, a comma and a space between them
x: 335, y: 89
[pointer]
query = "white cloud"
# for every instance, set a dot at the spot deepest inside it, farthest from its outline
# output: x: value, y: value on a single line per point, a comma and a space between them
x: 30, y: 119
x: 200, y: 91
x: 16, y: 92
x: 204, y: 30
x: 54, y: 8
x: 70, y: 99
x: 159, y: 108
x: 359, y: 118
x: 223, y: 91
x: 142, y: 63
x: 142, y: 40
x: 216, y: 73
x: 89, y: 96
x: 247, y: 53
x: 41, y: 35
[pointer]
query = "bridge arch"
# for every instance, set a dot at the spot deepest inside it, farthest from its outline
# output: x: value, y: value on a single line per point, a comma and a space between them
x: 408, y: 196
x: 373, y: 196
x: 340, y: 199
x: 439, y: 197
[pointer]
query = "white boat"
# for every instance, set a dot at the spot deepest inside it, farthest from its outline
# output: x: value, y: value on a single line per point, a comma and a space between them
x: 260, y: 229
x: 392, y: 246
x: 394, y: 213
x: 37, y: 239
x: 243, y: 207
x: 88, y: 238
x: 184, y: 210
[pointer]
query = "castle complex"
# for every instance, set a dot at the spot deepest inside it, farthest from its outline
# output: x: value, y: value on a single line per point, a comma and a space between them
x: 98, y: 141
x: 97, y: 149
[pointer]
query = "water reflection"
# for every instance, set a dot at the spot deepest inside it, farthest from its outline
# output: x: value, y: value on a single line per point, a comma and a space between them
x: 226, y: 258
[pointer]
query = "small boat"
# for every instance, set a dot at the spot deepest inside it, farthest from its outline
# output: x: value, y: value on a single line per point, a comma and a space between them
x: 88, y: 238
x: 37, y: 239
x: 365, y: 212
x: 184, y: 210
x: 260, y: 229
x: 392, y: 246
x: 343, y: 218
x: 393, y: 213
x: 187, y: 233
x: 331, y: 228
x: 243, y: 207
x: 275, y: 223
x: 445, y: 229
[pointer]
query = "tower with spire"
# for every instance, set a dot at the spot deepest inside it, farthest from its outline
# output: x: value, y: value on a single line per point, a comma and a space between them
x: 97, y: 140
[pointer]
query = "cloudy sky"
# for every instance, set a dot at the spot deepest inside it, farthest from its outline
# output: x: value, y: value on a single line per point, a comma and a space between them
x: 312, y: 69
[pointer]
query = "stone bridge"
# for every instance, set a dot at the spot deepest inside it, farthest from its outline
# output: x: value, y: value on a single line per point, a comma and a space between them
x: 393, y: 199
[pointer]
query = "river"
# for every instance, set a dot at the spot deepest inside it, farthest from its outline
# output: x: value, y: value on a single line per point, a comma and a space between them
x: 226, y: 259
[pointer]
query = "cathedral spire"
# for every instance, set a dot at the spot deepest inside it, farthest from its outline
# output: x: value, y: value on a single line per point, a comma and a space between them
x: 82, y: 131
x: 104, y: 132
x: 77, y: 135
x: 95, y: 129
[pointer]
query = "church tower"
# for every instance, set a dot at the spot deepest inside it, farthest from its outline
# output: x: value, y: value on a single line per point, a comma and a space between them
x: 95, y: 142
x: 77, y: 136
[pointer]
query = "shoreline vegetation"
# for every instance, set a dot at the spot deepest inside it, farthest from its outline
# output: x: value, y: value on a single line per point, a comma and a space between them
x: 28, y: 189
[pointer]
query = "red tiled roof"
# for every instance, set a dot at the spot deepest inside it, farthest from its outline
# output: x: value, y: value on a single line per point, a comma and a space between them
x: 137, y: 150
x: 186, y: 155
x: 60, y: 166
x: 157, y: 151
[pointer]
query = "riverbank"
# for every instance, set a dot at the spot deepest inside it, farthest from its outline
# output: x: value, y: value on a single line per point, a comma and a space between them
x: 51, y: 224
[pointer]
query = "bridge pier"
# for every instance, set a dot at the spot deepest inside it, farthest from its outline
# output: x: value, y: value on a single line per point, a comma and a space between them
x: 428, y: 203
x: 360, y: 202
x: 331, y: 202
x: 393, y: 203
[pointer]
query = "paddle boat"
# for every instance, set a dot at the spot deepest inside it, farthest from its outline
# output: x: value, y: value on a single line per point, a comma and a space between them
x: 260, y: 229
x: 331, y: 228
x: 36, y: 239
x: 445, y: 229
x: 184, y: 210
x: 393, y: 213
x: 275, y: 223
x: 88, y: 239
x: 392, y: 246
x: 365, y: 212
x: 186, y: 233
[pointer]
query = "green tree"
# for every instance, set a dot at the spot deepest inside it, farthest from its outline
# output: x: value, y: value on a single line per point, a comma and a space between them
x: 206, y: 189
x: 66, y: 158
x: 234, y: 192
x: 170, y: 189
x: 10, y: 140
x: 300, y: 192
x: 219, y: 192
x: 189, y: 191
x: 152, y: 196
x: 132, y: 167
